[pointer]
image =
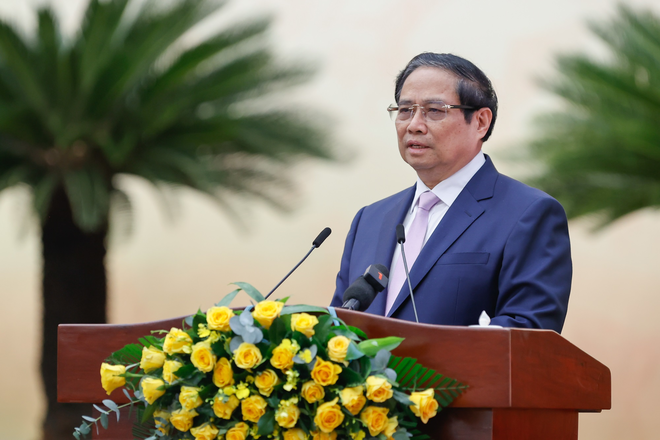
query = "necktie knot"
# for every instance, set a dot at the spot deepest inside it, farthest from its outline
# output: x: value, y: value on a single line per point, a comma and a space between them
x: 428, y: 200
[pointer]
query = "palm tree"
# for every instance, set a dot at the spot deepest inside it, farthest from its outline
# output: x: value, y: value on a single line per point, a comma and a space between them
x: 600, y: 156
x: 126, y: 95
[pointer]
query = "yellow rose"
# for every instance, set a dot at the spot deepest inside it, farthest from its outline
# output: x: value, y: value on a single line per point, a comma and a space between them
x: 265, y: 381
x: 182, y: 419
x: 110, y: 379
x: 203, y: 357
x: 304, y: 323
x: 162, y: 420
x: 218, y: 318
x: 238, y: 432
x: 320, y: 435
x: 353, y: 399
x: 205, y: 432
x: 329, y: 416
x: 312, y: 392
x: 265, y: 312
x: 282, y: 356
x: 253, y: 408
x: 152, y: 388
x: 325, y: 373
x: 152, y: 359
x: 169, y: 368
x: 425, y: 406
x: 247, y: 356
x: 287, y: 415
x: 295, y: 434
x: 177, y: 341
x: 375, y: 418
x: 189, y: 397
x: 337, y: 348
x: 378, y: 389
x: 223, y: 375
x: 224, y: 410
x: 392, y: 424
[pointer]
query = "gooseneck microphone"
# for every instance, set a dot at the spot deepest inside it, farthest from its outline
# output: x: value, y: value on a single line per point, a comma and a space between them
x: 362, y: 292
x: 318, y: 241
x: 401, y: 238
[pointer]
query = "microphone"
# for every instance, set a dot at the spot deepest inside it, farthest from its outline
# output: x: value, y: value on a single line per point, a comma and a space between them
x: 362, y: 292
x: 401, y: 238
x: 318, y: 241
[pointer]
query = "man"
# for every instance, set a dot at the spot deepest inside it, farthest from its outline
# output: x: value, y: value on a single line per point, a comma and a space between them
x: 476, y: 239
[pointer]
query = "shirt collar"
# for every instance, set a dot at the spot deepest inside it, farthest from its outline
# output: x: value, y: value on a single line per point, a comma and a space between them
x: 449, y: 189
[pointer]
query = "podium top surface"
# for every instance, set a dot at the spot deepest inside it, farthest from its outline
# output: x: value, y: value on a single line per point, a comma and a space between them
x: 504, y: 368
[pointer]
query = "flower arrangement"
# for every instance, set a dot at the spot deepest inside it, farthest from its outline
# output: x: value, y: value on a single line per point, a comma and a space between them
x: 271, y: 371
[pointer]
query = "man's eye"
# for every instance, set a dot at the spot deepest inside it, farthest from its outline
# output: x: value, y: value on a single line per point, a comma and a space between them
x: 434, y: 110
x: 405, y: 110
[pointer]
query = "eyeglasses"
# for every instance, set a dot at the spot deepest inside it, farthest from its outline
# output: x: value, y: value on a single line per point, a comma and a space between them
x: 431, y: 111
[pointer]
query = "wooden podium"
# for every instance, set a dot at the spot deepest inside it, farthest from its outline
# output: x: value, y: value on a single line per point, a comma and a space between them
x: 524, y: 384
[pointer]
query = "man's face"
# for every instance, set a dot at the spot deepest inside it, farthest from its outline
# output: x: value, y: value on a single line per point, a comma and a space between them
x: 437, y: 149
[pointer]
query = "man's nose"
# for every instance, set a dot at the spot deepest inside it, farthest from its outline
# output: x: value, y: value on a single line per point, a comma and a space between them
x: 418, y: 121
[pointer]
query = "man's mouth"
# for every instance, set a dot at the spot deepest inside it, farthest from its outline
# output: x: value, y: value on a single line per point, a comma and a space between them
x: 415, y: 145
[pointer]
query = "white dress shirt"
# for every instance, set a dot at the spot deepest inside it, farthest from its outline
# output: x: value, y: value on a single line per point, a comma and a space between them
x: 447, y: 191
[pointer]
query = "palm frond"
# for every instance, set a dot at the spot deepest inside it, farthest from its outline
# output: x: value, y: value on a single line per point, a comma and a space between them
x: 600, y: 155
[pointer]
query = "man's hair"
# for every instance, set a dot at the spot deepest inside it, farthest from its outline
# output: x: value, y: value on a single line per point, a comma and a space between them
x: 473, y: 87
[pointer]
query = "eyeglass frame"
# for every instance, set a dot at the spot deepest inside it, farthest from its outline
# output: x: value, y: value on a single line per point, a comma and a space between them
x: 395, y: 108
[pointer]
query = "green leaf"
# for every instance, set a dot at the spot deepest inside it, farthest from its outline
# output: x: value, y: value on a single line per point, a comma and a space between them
x: 353, y: 352
x: 266, y: 423
x: 250, y: 290
x: 302, y: 308
x: 277, y: 331
x: 358, y: 332
x: 371, y: 346
x: 228, y: 298
x: 322, y: 329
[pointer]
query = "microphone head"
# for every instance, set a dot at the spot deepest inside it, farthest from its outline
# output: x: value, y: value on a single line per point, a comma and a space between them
x: 321, y: 237
x: 362, y: 291
x: 400, y: 234
x: 377, y: 275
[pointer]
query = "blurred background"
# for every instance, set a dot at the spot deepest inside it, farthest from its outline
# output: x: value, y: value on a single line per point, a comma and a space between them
x: 184, y: 257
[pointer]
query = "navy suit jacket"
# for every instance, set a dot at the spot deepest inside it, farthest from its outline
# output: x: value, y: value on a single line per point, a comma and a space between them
x: 502, y: 247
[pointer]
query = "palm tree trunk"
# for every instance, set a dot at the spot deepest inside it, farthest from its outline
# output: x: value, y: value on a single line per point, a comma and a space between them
x: 74, y: 291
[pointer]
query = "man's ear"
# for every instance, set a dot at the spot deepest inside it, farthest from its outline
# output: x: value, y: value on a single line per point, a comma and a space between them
x: 483, y: 117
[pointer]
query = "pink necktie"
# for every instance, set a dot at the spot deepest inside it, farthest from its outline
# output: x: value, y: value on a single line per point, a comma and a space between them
x: 412, y: 246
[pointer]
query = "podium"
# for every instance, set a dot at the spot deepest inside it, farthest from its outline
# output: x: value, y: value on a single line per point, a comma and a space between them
x: 523, y: 384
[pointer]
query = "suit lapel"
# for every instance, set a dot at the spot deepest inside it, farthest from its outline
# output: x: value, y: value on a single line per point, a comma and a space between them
x: 387, y: 242
x: 462, y: 213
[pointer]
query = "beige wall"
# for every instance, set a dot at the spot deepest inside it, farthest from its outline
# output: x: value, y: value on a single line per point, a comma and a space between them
x: 169, y: 268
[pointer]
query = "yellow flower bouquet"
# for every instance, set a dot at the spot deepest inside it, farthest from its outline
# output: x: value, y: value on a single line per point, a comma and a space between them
x: 271, y: 371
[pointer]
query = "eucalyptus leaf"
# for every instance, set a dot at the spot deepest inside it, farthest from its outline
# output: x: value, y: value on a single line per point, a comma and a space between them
x: 104, y: 421
x: 246, y: 319
x: 250, y: 290
x: 372, y: 346
x: 189, y: 321
x: 236, y: 341
x: 226, y: 301
x: 253, y: 335
x: 302, y: 308
x: 85, y: 429
x: 110, y: 404
x: 381, y: 360
x: 391, y: 374
x: 89, y: 419
x: 402, y: 397
x: 236, y: 324
x: 99, y: 409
